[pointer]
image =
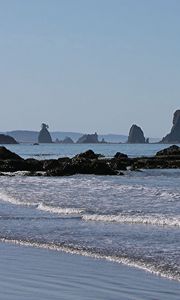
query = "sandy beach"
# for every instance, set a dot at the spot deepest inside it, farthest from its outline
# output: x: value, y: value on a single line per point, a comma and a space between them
x: 31, y: 273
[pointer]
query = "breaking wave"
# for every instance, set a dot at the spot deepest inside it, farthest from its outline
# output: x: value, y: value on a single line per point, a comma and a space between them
x: 59, y: 210
x: 158, y: 220
x: 131, y: 262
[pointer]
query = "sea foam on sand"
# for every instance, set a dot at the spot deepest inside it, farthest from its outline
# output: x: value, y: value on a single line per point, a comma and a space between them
x: 40, y: 274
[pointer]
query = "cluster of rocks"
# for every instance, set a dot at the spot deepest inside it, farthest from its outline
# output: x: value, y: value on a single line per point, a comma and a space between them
x: 136, y: 135
x: 88, y: 163
x: 45, y: 137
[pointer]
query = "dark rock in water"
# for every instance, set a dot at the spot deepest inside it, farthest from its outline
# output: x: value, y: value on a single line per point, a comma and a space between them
x: 120, y: 161
x: 136, y: 135
x: 33, y: 165
x: 12, y: 165
x: 120, y: 155
x: 7, y: 154
x: 102, y: 167
x: 172, y: 150
x: 6, y: 139
x: 82, y: 166
x: 44, y: 135
x: 87, y: 163
x: 88, y: 139
x: 50, y: 164
x: 35, y: 144
x: 174, y: 135
x: 88, y: 154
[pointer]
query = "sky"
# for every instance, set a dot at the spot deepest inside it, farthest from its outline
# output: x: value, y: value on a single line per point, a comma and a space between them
x: 89, y: 65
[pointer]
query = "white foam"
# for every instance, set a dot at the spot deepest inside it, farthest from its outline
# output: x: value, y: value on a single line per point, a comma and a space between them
x: 7, y: 198
x: 41, y: 206
x: 158, y: 220
x: 59, y: 210
x: 122, y: 260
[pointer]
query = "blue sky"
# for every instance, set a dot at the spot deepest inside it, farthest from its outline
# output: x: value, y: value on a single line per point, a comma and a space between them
x: 89, y: 65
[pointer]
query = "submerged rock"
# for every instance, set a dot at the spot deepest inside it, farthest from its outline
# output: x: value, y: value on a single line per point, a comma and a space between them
x: 136, y: 135
x: 44, y: 135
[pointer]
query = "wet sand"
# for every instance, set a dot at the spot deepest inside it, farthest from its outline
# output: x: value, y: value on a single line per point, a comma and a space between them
x: 39, y: 274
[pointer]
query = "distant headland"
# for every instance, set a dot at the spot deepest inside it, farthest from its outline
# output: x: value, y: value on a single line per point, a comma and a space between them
x: 135, y: 136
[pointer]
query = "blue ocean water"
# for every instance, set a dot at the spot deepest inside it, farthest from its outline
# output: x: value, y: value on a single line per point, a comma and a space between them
x: 45, y: 151
x: 132, y: 219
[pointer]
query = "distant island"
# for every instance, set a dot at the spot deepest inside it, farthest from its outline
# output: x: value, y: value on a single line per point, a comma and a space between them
x: 135, y: 136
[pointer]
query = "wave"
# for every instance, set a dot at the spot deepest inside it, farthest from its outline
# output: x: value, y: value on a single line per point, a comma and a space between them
x: 59, y: 210
x: 6, y: 198
x: 41, y: 206
x: 158, y: 220
x: 124, y: 218
x: 146, y: 266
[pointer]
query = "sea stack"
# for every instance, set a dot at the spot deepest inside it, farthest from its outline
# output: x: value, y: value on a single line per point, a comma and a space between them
x: 136, y: 135
x: 174, y: 135
x: 44, y: 135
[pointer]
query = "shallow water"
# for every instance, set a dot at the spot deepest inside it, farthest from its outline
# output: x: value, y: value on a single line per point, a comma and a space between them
x: 29, y: 273
x: 132, y: 219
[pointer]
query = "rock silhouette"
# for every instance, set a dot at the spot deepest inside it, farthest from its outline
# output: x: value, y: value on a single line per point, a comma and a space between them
x: 174, y: 135
x: 6, y: 139
x: 88, y: 139
x: 136, y: 135
x: 44, y: 135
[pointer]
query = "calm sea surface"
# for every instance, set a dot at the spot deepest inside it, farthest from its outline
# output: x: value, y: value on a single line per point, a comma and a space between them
x: 132, y: 219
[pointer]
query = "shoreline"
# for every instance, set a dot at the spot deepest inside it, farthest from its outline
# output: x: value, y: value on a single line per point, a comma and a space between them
x: 94, y: 256
x: 36, y: 273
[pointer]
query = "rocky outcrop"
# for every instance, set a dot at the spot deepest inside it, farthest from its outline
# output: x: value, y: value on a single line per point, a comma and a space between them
x: 44, y: 135
x: 89, y: 154
x: 136, y: 135
x: 174, y: 135
x: 7, y: 154
x: 6, y: 139
x: 88, y: 139
x: 88, y: 163
x: 169, y: 152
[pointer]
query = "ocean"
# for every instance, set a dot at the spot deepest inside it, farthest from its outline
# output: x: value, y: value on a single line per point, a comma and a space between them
x: 132, y: 219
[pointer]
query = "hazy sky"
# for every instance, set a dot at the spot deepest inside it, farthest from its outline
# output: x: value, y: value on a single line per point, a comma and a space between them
x: 89, y: 65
